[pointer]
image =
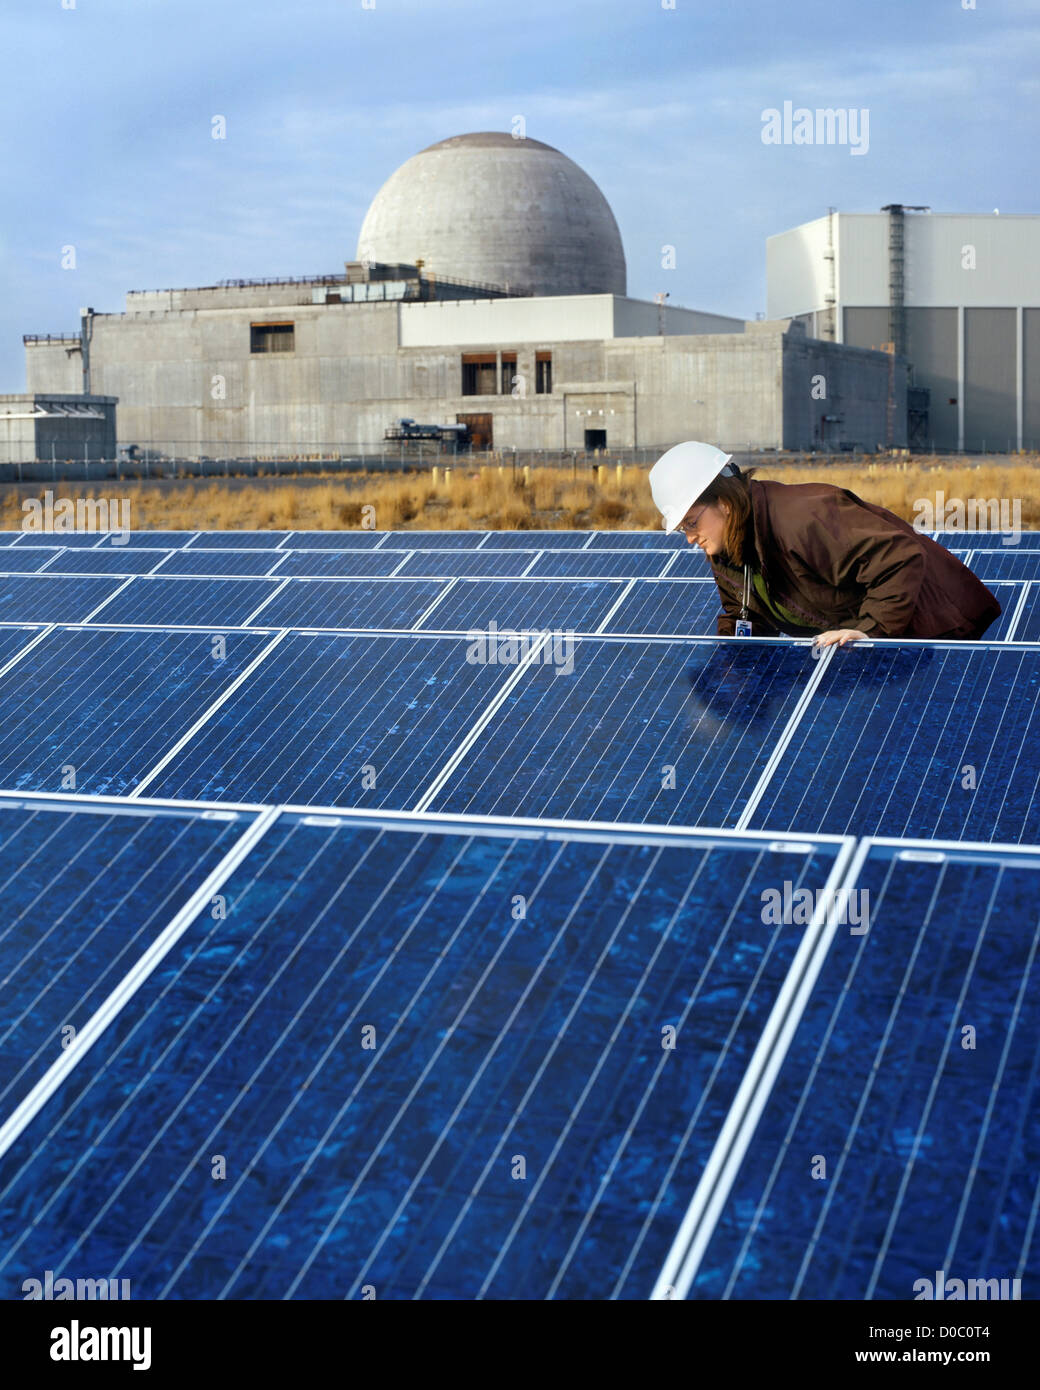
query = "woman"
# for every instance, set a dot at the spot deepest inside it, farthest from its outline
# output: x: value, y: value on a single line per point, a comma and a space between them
x: 813, y: 559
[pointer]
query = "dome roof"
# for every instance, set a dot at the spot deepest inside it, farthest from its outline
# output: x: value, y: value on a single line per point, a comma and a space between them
x: 503, y: 211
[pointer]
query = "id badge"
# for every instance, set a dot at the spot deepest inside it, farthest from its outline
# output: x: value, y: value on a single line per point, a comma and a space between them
x: 743, y: 627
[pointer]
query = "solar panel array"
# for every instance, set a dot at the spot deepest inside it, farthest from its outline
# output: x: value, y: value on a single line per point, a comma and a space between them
x: 454, y: 915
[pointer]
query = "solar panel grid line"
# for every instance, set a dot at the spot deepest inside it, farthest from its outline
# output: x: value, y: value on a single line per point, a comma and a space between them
x: 669, y: 563
x: 662, y: 1061
x: 100, y: 871
x: 432, y: 1061
x: 588, y: 542
x: 162, y: 560
x: 95, y: 611
x: 991, y: 1103
x: 208, y: 714
x: 246, y: 622
x: 860, y: 855
x: 131, y: 982
x: 531, y: 563
x: 787, y: 733
x: 683, y: 1260
x: 280, y: 561
x: 1020, y: 606
x: 33, y: 642
x: 316, y: 1069
x: 692, y: 1119
x: 952, y: 1031
x: 51, y: 559
x: 615, y: 605
x: 481, y: 722
x: 406, y: 555
x: 226, y: 1043
x: 439, y: 599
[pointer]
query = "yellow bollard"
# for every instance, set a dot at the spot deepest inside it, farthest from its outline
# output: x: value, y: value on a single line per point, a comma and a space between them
x: 436, y: 470
x: 447, y: 476
x: 527, y: 476
x: 601, y: 473
x: 620, y: 476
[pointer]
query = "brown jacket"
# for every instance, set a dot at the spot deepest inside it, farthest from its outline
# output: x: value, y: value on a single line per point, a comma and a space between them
x: 838, y: 561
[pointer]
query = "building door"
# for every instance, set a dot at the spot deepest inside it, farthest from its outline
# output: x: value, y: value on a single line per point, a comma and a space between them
x: 480, y: 431
x: 595, y: 439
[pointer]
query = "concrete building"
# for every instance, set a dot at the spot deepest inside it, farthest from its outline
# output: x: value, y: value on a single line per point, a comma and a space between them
x: 959, y: 296
x: 516, y: 323
x: 55, y: 426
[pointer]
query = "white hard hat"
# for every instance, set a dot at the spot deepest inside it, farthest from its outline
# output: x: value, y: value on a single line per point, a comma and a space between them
x: 679, y: 477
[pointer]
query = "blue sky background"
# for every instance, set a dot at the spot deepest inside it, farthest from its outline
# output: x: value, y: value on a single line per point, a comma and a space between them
x: 106, y: 115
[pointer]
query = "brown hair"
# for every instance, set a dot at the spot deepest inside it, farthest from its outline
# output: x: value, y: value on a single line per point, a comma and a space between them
x: 737, y: 534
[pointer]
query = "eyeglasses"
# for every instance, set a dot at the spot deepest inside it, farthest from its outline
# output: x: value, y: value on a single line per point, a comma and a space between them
x: 687, y: 526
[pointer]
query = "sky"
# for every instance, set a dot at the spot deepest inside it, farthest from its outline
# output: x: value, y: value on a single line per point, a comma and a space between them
x: 107, y: 111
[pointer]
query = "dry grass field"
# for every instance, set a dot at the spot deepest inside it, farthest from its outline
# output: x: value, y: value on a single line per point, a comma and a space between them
x: 491, y: 498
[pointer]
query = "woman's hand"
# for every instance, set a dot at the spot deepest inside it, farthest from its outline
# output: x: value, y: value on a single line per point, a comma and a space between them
x: 841, y: 635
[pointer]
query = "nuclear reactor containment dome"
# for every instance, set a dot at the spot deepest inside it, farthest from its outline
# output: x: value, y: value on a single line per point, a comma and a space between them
x: 491, y: 208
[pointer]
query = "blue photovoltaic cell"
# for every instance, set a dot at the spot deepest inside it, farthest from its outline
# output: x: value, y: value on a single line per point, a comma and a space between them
x: 86, y: 892
x: 105, y: 706
x: 350, y: 603
x: 690, y: 563
x: 1007, y: 593
x: 524, y: 604
x: 13, y: 639
x: 323, y: 717
x: 191, y: 602
x: 153, y: 540
x: 988, y: 540
x: 932, y: 1146
x: 629, y: 564
x: 113, y: 559
x: 501, y: 563
x: 1028, y: 629
x: 340, y: 564
x: 667, y: 732
x: 18, y: 559
x: 240, y: 540
x: 668, y: 607
x: 34, y: 598
x: 893, y: 734
x: 9, y: 537
x: 433, y: 540
x: 638, y: 540
x: 250, y: 563
x: 394, y: 1166
x: 1006, y: 564
x: 536, y: 540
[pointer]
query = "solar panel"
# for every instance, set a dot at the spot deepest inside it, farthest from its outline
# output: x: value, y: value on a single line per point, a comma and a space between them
x: 900, y: 1138
x: 1028, y: 626
x: 50, y: 539
x: 690, y: 563
x: 674, y: 733
x: 535, y: 540
x: 340, y: 564
x: 245, y: 563
x: 917, y: 740
x: 32, y: 598
x: 362, y: 721
x: 524, y: 604
x: 637, y: 540
x: 989, y: 540
x: 239, y: 540
x: 667, y: 607
x: 90, y: 710
x: 115, y: 559
x: 157, y: 540
x: 198, y: 602
x: 433, y: 540
x: 599, y: 564
x: 335, y: 539
x: 500, y: 563
x: 16, y: 559
x: 342, y: 603
x: 1006, y: 564
x: 87, y: 889
x: 420, y: 1089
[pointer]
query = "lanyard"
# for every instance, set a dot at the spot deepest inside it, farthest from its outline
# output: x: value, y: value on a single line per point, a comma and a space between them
x: 747, y: 590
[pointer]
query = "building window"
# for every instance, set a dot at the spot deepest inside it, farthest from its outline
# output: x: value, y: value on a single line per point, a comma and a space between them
x: 479, y: 375
x: 543, y: 373
x: 272, y: 337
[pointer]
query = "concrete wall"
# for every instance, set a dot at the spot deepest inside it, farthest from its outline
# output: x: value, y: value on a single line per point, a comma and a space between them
x: 989, y: 379
x: 53, y: 366
x: 833, y: 380
x: 1031, y: 378
x: 33, y: 427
